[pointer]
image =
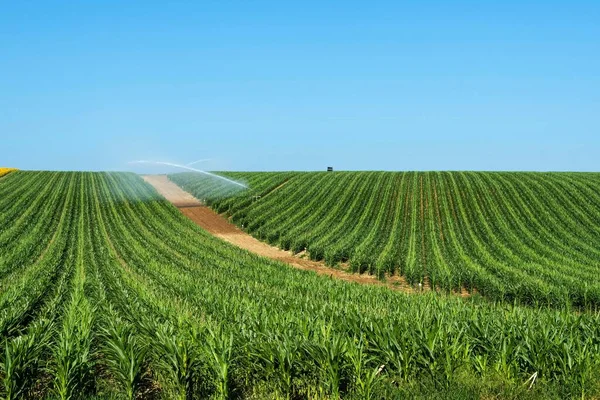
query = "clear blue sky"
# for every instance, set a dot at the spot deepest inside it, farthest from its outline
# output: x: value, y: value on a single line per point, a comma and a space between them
x: 279, y: 85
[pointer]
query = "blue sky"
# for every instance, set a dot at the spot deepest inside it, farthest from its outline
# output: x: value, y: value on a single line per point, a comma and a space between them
x: 276, y: 85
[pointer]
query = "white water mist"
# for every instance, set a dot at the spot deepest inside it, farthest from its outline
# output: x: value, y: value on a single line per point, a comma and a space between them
x: 198, y: 161
x: 231, y: 181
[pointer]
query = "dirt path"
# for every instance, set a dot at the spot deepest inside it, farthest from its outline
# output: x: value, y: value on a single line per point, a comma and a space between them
x: 171, y: 191
x: 220, y: 227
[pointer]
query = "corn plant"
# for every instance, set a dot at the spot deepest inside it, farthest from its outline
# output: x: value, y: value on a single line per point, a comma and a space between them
x: 329, y: 352
x: 72, y: 365
x: 178, y: 355
x: 22, y: 359
x: 125, y: 356
x: 366, y: 374
x: 277, y: 358
x: 218, y: 350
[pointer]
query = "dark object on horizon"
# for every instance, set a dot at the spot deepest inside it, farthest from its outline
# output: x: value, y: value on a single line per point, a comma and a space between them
x: 329, y: 169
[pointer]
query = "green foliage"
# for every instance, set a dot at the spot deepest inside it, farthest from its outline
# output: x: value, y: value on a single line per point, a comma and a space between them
x: 125, y: 355
x: 523, y: 236
x: 72, y: 364
x: 107, y: 291
x: 23, y: 357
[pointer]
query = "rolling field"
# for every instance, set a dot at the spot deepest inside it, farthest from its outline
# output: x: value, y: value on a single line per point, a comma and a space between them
x: 108, y: 291
x: 526, y: 237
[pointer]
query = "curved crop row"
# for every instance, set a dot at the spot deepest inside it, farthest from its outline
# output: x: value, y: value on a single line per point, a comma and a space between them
x: 529, y: 237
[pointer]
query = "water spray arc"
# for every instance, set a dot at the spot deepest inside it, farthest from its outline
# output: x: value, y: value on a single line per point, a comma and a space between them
x: 198, y: 161
x: 190, y: 169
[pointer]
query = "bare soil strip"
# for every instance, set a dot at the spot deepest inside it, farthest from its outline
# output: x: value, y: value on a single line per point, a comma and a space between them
x: 220, y: 227
x: 171, y: 191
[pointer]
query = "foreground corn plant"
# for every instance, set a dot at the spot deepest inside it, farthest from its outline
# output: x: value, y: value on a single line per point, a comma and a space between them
x: 22, y: 361
x: 125, y: 355
x: 72, y: 352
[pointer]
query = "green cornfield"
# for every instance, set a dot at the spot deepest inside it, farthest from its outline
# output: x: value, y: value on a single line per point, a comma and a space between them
x: 107, y: 291
x: 513, y: 236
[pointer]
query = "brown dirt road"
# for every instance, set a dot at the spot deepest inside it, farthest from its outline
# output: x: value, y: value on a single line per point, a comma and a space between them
x: 220, y: 227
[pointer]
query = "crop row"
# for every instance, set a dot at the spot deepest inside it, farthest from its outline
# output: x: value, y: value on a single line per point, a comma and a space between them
x: 529, y: 237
